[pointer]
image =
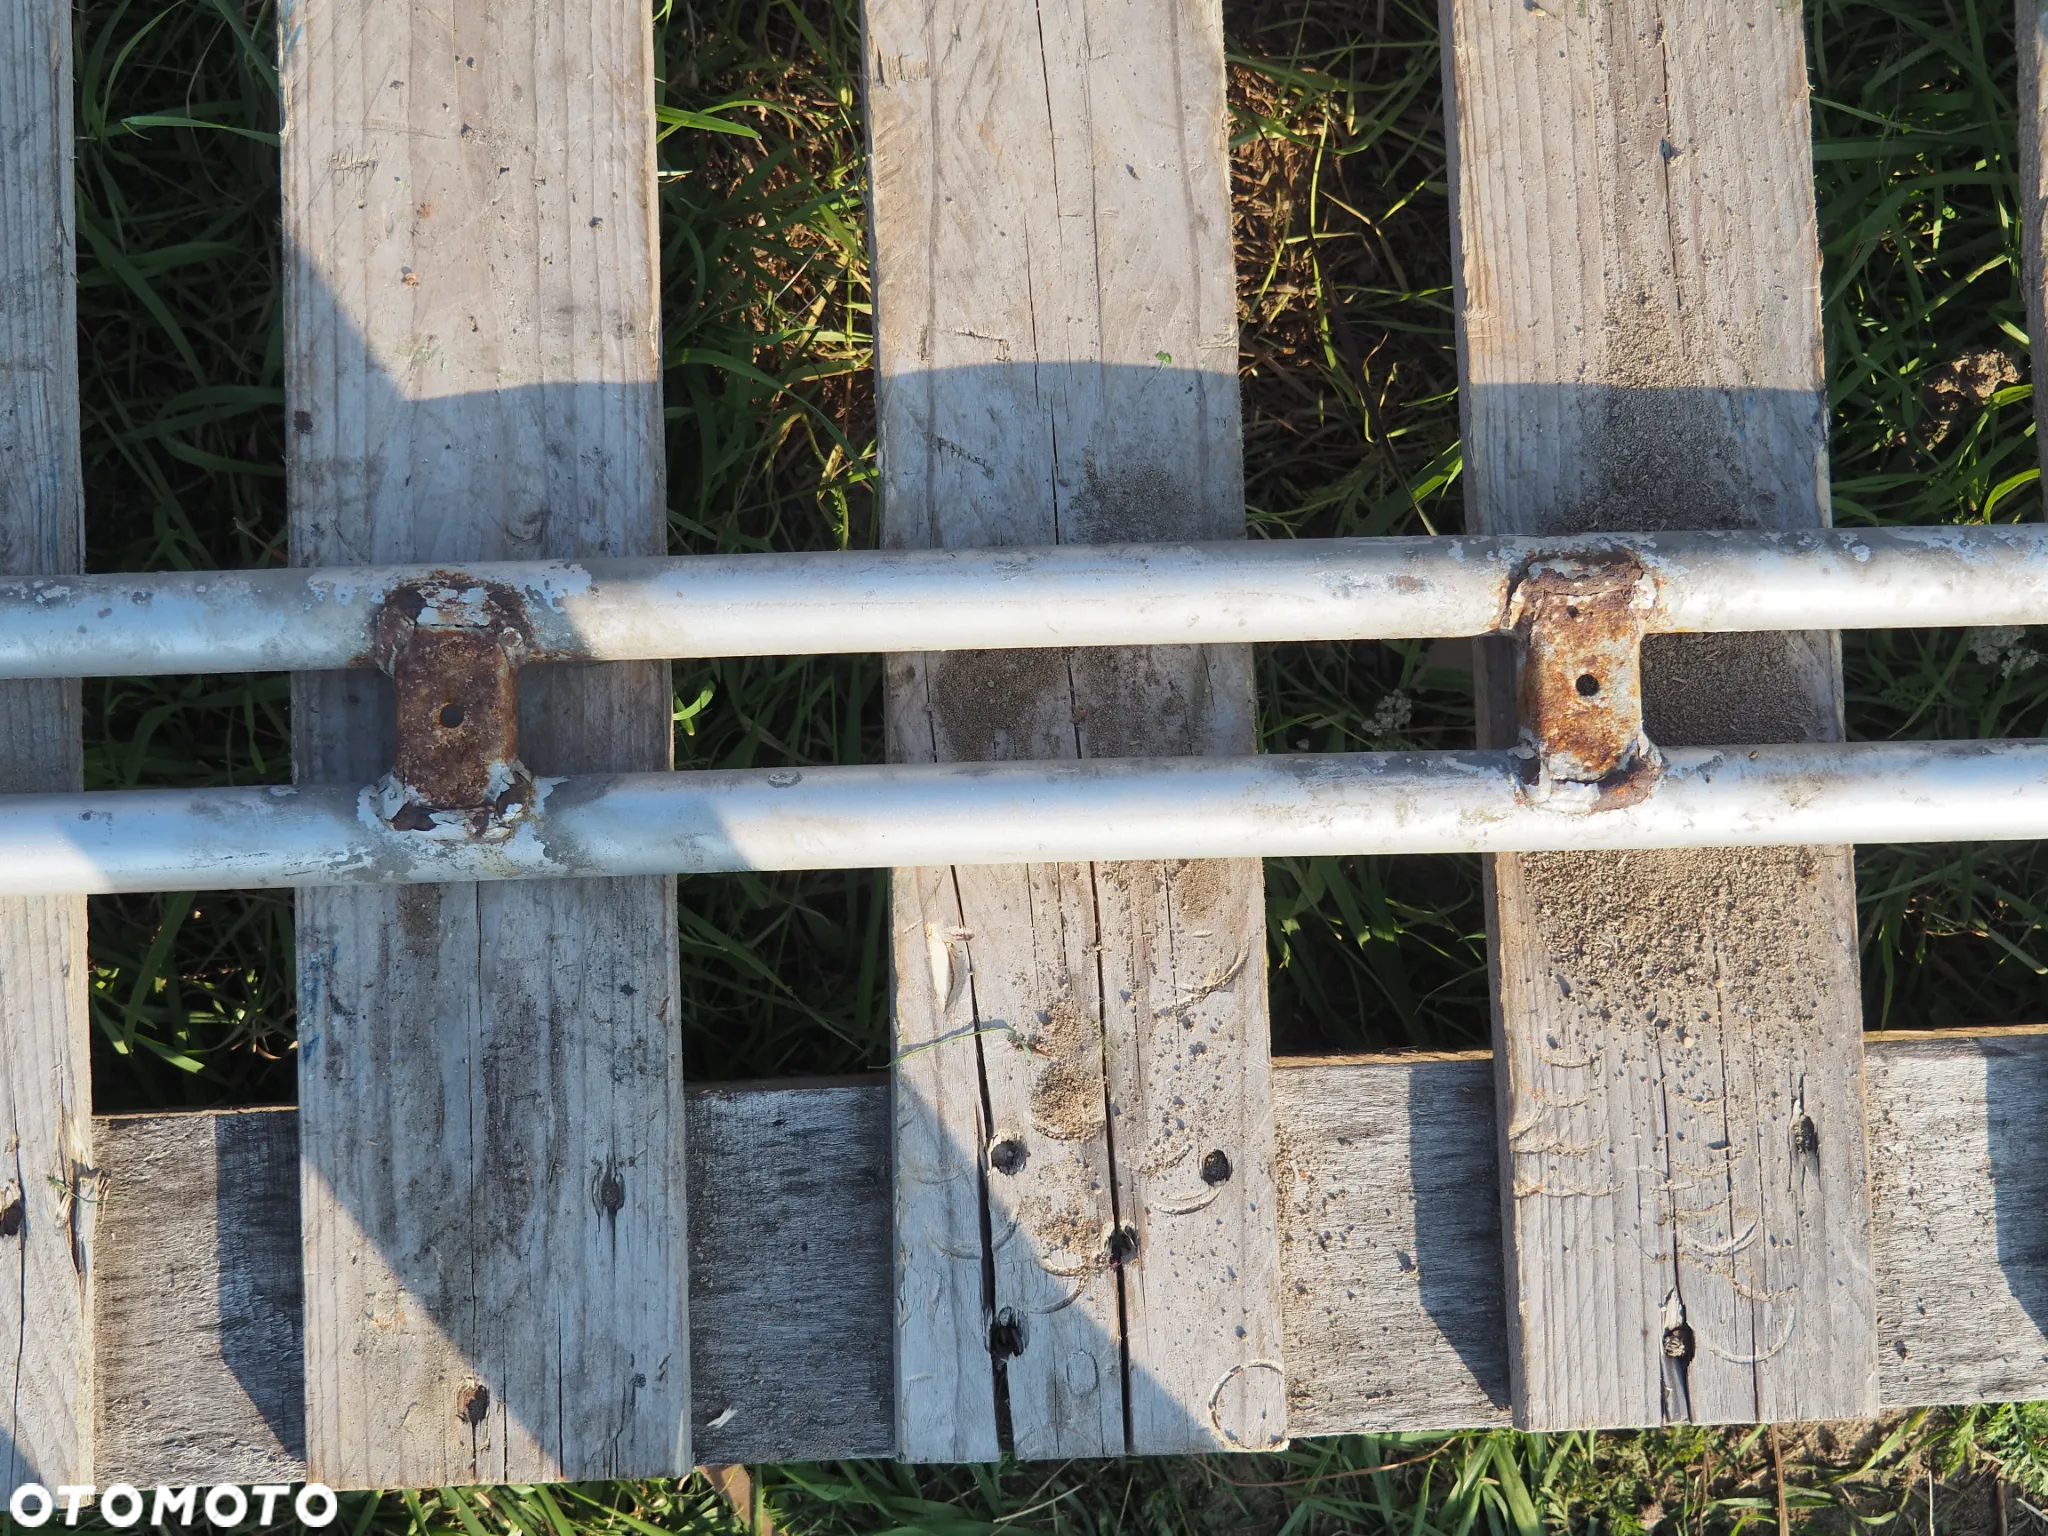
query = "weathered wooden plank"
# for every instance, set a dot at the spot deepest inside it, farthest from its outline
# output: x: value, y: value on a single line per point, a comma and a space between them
x: 200, y: 1301
x: 1057, y: 350
x: 1390, y: 1257
x: 2030, y: 30
x: 790, y: 1282
x: 490, y: 1089
x: 1390, y: 1244
x: 1688, y: 1221
x: 1959, y: 1189
x: 46, y: 1177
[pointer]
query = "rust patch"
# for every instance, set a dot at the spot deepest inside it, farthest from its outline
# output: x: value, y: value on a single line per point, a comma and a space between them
x: 1578, y: 623
x: 453, y: 648
x: 458, y: 715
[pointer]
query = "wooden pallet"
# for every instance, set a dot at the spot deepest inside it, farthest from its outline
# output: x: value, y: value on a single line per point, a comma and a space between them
x: 480, y: 1249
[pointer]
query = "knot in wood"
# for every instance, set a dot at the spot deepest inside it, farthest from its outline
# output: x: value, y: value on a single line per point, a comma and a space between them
x: 453, y: 647
x: 1578, y: 622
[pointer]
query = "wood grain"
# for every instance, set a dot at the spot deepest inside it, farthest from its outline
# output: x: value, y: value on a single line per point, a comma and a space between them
x: 2030, y: 31
x: 790, y: 1280
x: 489, y: 1076
x: 1056, y: 342
x: 1390, y: 1256
x: 1960, y: 1247
x: 46, y: 1159
x: 200, y: 1304
x: 1390, y: 1244
x: 1679, y: 1035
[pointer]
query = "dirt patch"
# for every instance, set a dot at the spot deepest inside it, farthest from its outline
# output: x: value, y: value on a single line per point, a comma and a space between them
x: 1163, y: 701
x: 1198, y: 887
x: 1131, y: 504
x: 1739, y: 690
x: 1959, y: 388
x: 1608, y: 921
x: 997, y: 706
x: 1067, y: 1101
x: 1073, y: 1239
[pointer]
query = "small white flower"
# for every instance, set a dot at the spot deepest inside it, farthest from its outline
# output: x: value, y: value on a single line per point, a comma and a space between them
x: 2003, y: 646
x: 1391, y: 718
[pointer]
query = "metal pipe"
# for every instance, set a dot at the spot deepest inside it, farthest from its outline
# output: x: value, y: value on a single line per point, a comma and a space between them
x: 1167, y: 594
x: 846, y: 818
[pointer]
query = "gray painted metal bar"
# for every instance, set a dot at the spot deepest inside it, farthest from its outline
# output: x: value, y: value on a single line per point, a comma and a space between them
x: 973, y: 599
x: 1016, y: 813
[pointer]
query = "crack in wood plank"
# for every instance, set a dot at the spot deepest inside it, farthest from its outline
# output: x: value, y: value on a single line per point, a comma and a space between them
x: 1057, y: 361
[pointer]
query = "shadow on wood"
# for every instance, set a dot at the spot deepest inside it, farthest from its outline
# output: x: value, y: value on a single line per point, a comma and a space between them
x: 489, y: 1075
x: 792, y: 1340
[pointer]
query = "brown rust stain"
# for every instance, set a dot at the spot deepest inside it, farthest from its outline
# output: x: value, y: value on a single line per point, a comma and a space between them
x: 1579, y: 624
x: 458, y: 715
x: 453, y: 647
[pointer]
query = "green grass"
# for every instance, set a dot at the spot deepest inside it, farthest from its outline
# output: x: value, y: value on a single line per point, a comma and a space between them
x: 1350, y: 427
x: 1907, y: 1475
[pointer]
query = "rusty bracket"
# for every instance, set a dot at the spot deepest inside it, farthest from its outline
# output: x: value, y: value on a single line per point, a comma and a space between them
x: 1578, y: 622
x: 453, y: 649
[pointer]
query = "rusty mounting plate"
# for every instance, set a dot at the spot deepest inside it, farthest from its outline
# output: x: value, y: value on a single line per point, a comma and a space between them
x: 453, y: 650
x: 1578, y: 622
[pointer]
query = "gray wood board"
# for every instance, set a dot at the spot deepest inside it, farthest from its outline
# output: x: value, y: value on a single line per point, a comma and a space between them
x: 1390, y: 1258
x: 489, y: 1075
x: 790, y: 1281
x: 2030, y: 29
x: 1679, y: 1034
x: 1056, y: 345
x: 200, y: 1309
x: 46, y: 1157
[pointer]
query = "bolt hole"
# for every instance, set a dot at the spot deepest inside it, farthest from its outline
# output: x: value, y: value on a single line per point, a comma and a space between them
x: 1678, y: 1343
x: 1006, y: 1336
x: 1216, y: 1168
x: 1588, y: 685
x: 1806, y: 1137
x: 451, y: 715
x: 1123, y: 1245
x: 1007, y: 1155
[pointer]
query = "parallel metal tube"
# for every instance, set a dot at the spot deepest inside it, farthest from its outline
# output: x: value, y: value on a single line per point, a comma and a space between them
x: 811, y: 604
x: 827, y: 818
